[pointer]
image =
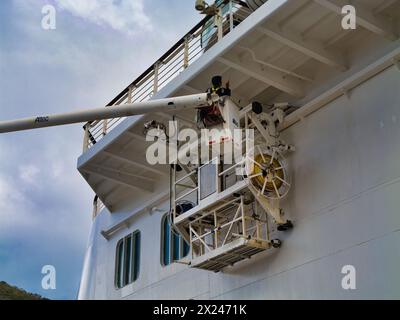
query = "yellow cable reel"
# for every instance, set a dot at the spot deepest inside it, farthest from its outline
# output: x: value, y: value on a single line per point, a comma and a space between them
x: 268, y: 173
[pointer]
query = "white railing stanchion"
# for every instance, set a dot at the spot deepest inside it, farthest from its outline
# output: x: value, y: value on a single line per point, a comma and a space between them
x: 231, y: 15
x: 105, y: 127
x: 130, y: 94
x: 86, y: 138
x: 155, y: 83
x: 186, y: 53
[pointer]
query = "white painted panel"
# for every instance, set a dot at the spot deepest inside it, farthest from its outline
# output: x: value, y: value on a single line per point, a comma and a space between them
x: 344, y: 202
x: 377, y: 263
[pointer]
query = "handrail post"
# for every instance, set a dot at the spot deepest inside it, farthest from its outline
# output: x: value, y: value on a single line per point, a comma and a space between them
x: 86, y: 137
x: 231, y: 15
x: 219, y: 23
x: 130, y: 93
x: 105, y: 127
x: 156, y: 71
x: 186, y: 53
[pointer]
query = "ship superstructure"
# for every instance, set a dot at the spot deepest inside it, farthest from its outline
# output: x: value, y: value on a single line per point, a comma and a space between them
x: 311, y: 112
x: 335, y: 86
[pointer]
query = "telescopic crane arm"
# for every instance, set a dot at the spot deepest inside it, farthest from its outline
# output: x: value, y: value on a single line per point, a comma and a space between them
x: 125, y: 110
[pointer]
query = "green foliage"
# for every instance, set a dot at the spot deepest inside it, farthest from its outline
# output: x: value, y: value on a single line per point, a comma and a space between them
x: 8, y: 292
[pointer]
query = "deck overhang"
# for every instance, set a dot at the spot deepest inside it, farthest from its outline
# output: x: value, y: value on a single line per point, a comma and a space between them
x: 293, y: 51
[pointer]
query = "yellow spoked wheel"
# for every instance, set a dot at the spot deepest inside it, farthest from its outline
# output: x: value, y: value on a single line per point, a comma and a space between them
x: 268, y: 173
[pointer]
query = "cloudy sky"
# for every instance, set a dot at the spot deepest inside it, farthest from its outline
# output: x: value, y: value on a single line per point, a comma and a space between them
x: 97, y: 48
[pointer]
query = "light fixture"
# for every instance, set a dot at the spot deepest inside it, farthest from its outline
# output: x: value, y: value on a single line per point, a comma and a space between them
x: 204, y: 8
x: 201, y: 5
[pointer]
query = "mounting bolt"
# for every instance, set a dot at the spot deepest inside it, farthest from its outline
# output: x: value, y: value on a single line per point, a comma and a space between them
x: 276, y: 243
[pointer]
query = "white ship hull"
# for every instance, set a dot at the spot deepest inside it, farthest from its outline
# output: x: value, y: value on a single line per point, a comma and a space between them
x: 344, y: 201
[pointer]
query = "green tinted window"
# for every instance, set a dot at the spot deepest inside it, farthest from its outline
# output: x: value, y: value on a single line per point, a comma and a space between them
x: 127, y: 260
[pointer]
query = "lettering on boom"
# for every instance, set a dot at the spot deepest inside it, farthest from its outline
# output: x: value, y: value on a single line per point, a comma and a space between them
x: 41, y: 119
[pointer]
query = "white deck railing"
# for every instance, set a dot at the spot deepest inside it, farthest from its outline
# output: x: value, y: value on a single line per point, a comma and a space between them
x: 187, y: 50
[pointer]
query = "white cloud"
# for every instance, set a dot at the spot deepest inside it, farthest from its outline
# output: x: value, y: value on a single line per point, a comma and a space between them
x: 58, y: 169
x: 28, y: 173
x: 127, y: 16
x: 14, y: 207
x: 62, y: 69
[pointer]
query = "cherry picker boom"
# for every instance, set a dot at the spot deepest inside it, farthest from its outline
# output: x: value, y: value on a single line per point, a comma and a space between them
x: 125, y: 110
x: 228, y: 209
